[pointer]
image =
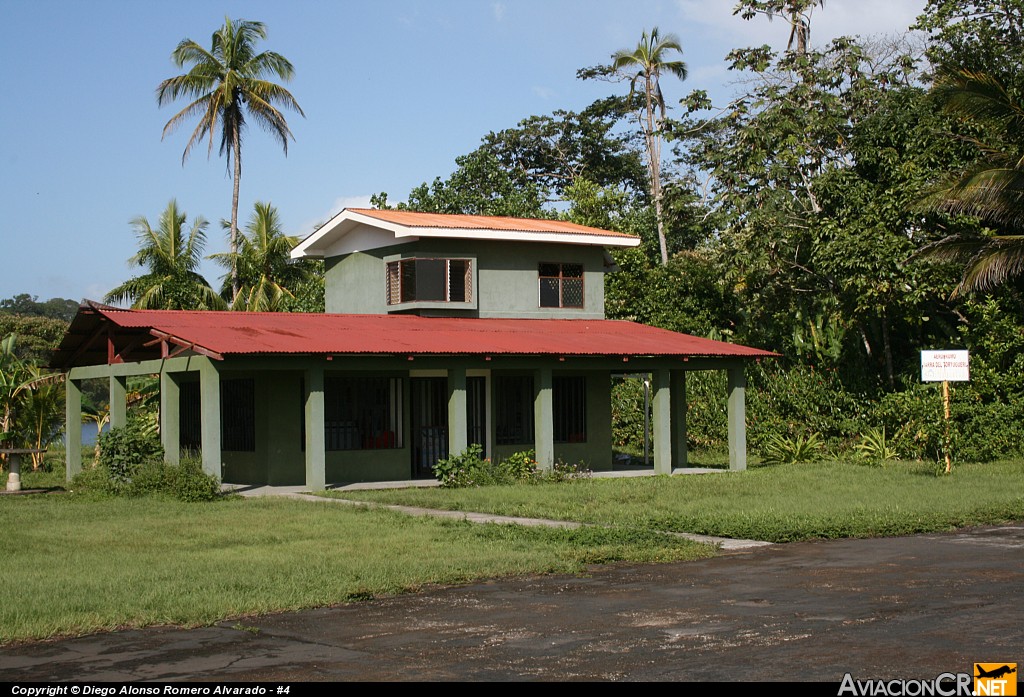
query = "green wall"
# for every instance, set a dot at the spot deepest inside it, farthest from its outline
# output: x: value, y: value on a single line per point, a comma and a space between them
x: 506, y: 277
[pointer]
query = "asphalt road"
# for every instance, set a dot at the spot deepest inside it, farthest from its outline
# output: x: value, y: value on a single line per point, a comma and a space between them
x: 896, y: 608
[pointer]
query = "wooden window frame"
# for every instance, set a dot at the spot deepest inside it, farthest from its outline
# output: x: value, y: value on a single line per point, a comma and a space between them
x: 400, y: 274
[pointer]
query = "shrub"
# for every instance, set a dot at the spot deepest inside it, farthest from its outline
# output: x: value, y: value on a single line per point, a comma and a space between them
x: 124, y: 450
x: 131, y: 464
x: 188, y: 481
x: 469, y: 469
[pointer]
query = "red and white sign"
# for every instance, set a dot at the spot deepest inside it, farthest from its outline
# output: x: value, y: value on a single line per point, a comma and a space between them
x: 939, y: 366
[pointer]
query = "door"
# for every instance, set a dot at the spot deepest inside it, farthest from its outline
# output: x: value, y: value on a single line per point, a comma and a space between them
x: 476, y: 412
x: 429, y: 424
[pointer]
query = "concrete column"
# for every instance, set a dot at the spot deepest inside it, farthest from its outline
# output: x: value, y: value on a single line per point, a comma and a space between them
x: 680, y: 452
x: 316, y: 451
x: 543, y: 420
x: 170, y: 413
x: 660, y: 383
x: 209, y: 405
x: 458, y: 429
x: 737, y: 419
x: 118, y: 401
x: 73, y: 427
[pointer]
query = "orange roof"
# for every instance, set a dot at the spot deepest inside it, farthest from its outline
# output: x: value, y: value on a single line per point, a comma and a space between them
x: 390, y: 225
x: 483, y: 222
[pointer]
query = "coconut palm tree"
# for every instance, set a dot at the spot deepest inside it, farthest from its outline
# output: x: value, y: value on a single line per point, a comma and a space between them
x: 171, y: 257
x: 992, y: 190
x: 226, y: 85
x: 645, y: 64
x: 266, y: 274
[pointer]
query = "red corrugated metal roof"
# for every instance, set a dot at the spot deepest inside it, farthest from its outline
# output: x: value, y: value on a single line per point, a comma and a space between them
x: 483, y: 222
x: 274, y: 333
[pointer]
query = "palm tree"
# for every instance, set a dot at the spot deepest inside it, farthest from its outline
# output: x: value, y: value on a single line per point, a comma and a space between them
x: 225, y: 84
x: 171, y: 258
x: 992, y: 190
x: 646, y: 63
x: 266, y: 275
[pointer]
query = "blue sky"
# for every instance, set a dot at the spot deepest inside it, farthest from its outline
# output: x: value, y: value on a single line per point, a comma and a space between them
x: 393, y: 92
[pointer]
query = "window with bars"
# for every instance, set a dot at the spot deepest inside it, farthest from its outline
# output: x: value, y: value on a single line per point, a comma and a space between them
x: 429, y: 280
x: 362, y: 413
x: 237, y: 416
x: 569, y: 409
x: 561, y: 285
x: 513, y: 413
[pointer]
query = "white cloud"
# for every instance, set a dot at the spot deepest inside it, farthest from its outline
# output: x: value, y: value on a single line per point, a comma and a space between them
x: 543, y: 92
x: 837, y: 18
x: 499, y: 10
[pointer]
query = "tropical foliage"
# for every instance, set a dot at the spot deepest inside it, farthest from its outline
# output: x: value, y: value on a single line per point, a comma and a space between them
x: 226, y: 85
x: 266, y: 274
x: 171, y: 257
x: 992, y: 189
x: 31, y: 401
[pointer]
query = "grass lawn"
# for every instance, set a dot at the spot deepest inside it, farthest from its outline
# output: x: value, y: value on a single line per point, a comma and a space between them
x: 778, y: 504
x: 73, y: 564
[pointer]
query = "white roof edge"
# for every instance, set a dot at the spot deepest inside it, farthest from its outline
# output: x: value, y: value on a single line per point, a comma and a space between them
x: 528, y: 236
x: 300, y: 250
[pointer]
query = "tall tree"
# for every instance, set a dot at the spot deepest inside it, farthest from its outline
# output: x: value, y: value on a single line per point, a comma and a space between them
x: 171, y: 257
x: 225, y: 84
x: 645, y: 64
x: 266, y: 273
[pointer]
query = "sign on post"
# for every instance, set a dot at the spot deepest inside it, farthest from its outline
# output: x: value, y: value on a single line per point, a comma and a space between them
x: 942, y: 366
x: 945, y: 367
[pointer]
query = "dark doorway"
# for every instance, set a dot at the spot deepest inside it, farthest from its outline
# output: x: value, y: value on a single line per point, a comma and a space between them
x: 476, y: 412
x: 429, y: 424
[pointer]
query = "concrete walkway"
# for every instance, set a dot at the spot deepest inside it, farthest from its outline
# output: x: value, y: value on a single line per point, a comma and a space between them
x: 724, y: 544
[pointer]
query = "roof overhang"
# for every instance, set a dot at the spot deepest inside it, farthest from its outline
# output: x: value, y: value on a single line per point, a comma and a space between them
x: 353, y: 231
x: 106, y: 335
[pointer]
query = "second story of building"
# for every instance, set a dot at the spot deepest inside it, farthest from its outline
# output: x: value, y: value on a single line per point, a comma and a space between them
x: 386, y: 261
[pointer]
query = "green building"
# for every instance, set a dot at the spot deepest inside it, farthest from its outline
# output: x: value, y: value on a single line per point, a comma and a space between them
x: 440, y: 331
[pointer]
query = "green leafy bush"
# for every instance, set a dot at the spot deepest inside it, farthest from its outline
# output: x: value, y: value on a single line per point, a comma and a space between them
x: 521, y: 465
x: 124, y: 450
x: 468, y: 468
x: 188, y: 481
x: 460, y: 470
x: 131, y: 464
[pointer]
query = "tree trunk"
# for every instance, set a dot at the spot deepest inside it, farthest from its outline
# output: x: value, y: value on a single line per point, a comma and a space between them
x: 653, y: 139
x: 237, y: 146
x: 887, y: 347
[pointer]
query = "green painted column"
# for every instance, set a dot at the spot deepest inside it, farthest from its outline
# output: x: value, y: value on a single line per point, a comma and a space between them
x: 680, y: 452
x: 170, y: 412
x: 73, y: 427
x: 662, y: 426
x: 543, y: 420
x: 316, y: 451
x: 118, y: 401
x: 458, y: 429
x: 209, y: 406
x: 737, y: 419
